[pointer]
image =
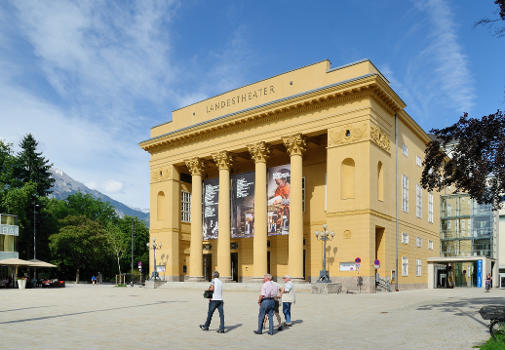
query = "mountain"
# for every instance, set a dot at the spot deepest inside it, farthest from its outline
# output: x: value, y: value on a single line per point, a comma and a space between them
x: 64, y: 186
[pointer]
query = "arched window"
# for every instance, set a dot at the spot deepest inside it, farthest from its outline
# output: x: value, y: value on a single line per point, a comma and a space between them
x: 380, y: 182
x: 161, y: 206
x: 348, y: 179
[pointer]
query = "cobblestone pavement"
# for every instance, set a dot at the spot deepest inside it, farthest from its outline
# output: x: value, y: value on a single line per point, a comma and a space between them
x: 104, y: 317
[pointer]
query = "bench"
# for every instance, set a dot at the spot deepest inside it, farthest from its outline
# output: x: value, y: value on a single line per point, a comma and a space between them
x: 496, y: 315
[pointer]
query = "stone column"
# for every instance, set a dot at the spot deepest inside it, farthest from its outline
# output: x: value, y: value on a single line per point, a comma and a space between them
x: 295, y: 146
x: 196, y: 168
x: 259, y: 153
x: 224, y: 162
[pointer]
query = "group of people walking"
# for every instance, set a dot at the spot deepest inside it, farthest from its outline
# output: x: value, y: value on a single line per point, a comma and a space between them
x: 272, y: 294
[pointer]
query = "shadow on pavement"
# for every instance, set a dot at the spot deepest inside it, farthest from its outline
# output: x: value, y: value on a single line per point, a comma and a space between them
x: 85, y: 312
x: 232, y: 327
x: 472, y: 306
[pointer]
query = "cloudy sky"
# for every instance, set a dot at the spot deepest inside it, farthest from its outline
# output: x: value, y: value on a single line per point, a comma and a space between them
x: 88, y: 79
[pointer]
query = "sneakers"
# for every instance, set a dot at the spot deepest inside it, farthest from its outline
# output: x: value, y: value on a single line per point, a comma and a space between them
x: 203, y: 328
x: 280, y: 328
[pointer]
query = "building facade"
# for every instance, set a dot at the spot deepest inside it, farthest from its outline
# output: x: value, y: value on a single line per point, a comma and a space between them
x: 241, y: 181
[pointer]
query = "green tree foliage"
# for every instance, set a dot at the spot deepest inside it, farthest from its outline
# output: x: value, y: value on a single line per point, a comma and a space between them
x: 33, y: 167
x: 117, y: 241
x: 476, y: 162
x: 79, y: 246
x: 141, y: 237
x: 7, y: 171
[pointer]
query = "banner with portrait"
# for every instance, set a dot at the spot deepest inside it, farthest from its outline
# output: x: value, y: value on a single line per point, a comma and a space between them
x: 242, y: 205
x: 278, y: 189
x: 210, y: 208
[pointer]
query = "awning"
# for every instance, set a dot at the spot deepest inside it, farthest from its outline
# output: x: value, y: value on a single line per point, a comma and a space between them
x: 16, y: 262
x: 40, y: 263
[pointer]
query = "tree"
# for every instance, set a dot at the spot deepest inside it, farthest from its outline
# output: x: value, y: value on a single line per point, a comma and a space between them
x: 470, y: 156
x: 94, y: 209
x: 500, y: 31
x: 7, y: 171
x: 141, y: 237
x: 118, y: 242
x: 33, y: 167
x: 80, y: 245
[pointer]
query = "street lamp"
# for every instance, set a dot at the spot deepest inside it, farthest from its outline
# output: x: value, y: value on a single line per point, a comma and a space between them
x: 35, y: 206
x: 325, y: 235
x: 154, y: 246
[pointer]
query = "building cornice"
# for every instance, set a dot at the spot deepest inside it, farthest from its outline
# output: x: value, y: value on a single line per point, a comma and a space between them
x: 368, y: 82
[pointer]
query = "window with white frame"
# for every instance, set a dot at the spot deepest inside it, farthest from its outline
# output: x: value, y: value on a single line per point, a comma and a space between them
x: 419, y: 242
x: 419, y: 267
x: 419, y: 161
x: 405, y: 238
x: 405, y: 266
x: 185, y: 206
x: 303, y: 193
x: 419, y: 201
x: 430, y: 207
x: 430, y: 244
x: 405, y: 193
x: 405, y: 150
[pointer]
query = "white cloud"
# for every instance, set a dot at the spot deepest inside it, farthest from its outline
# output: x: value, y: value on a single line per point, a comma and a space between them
x: 112, y: 186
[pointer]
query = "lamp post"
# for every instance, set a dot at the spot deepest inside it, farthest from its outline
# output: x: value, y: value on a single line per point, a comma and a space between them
x: 35, y: 205
x: 154, y: 246
x: 325, y: 235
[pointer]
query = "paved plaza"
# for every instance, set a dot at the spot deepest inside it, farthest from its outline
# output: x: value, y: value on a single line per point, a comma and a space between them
x: 105, y: 317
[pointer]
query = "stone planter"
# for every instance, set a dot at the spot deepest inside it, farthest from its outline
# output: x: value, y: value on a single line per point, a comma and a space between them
x: 21, y: 284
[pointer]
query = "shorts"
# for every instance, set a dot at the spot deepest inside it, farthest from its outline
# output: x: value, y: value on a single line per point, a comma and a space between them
x: 276, y: 306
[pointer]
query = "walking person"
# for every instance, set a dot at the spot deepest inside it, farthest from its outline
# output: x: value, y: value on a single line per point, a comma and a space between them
x: 288, y: 298
x: 489, y: 281
x: 267, y: 305
x: 93, y: 279
x: 216, y: 302
x: 276, y: 309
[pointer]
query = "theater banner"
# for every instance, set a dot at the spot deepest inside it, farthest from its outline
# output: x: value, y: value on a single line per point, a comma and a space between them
x: 278, y: 189
x: 210, y: 208
x: 242, y: 205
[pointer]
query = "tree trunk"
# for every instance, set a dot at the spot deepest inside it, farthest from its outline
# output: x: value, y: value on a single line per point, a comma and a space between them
x: 77, y: 276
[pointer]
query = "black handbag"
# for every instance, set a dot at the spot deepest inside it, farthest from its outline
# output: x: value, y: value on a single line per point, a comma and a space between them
x: 208, y: 294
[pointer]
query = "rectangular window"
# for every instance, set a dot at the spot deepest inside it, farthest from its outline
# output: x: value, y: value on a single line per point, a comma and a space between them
x: 419, y: 242
x: 430, y: 207
x: 405, y: 238
x: 430, y: 244
x: 419, y: 267
x: 405, y: 193
x: 185, y: 206
x: 405, y: 266
x: 405, y: 150
x: 419, y: 200
x: 419, y: 161
x: 303, y: 193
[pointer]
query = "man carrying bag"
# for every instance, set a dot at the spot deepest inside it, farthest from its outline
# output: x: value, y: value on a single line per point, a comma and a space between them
x: 215, y: 296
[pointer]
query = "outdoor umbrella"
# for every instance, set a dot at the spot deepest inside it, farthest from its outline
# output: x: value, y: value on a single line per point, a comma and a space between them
x: 40, y: 263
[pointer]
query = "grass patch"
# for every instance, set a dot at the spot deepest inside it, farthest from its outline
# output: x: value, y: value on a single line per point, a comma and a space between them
x: 121, y: 285
x: 498, y: 344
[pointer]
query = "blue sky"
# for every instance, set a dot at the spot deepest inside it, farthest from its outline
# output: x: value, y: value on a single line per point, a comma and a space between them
x: 90, y: 78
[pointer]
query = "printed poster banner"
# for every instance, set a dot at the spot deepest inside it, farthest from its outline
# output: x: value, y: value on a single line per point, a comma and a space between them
x: 210, y: 208
x: 278, y: 188
x: 242, y: 205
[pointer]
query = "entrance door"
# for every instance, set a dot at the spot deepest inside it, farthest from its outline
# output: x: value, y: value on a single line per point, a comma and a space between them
x: 207, y: 267
x: 234, y: 267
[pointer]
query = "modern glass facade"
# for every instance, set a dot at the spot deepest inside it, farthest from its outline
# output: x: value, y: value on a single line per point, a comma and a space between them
x: 467, y: 227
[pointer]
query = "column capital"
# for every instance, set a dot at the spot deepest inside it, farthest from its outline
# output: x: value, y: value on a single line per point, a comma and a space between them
x: 223, y: 160
x: 195, y: 166
x: 259, y: 151
x: 295, y: 144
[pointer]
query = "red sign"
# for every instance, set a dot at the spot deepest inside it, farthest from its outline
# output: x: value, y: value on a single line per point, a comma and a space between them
x: 357, y: 260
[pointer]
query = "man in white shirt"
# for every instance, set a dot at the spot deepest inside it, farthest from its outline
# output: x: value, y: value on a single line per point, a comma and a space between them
x: 267, y: 305
x: 216, y: 302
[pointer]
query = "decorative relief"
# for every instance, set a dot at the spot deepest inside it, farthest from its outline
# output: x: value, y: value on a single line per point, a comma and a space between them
x: 378, y: 136
x: 348, y: 134
x: 195, y: 166
x: 223, y: 160
x: 259, y: 151
x: 295, y: 144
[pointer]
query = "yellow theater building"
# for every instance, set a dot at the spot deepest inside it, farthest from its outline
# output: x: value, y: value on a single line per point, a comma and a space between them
x: 241, y: 181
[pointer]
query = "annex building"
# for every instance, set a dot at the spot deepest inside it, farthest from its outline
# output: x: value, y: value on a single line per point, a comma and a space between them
x: 241, y: 181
